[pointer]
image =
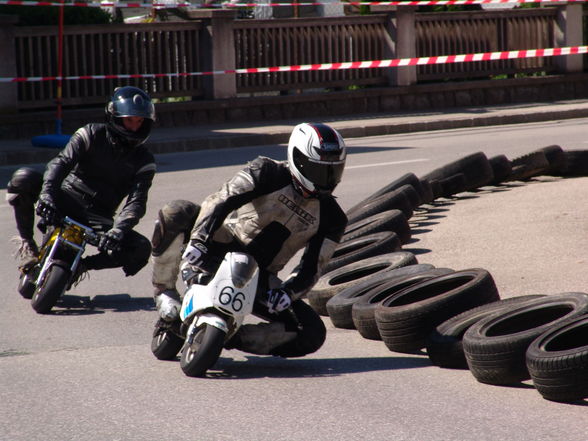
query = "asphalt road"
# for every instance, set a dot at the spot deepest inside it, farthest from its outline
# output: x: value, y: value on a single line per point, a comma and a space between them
x: 86, y: 372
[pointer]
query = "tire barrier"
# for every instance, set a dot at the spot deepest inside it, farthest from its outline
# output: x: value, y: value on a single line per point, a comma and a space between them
x: 396, y: 199
x: 452, y: 185
x: 339, y: 306
x: 363, y: 311
x: 501, y: 168
x: 458, y: 316
x: 389, y: 220
x: 405, y: 319
x: 427, y: 195
x: 363, y: 247
x: 557, y: 361
x: 475, y: 168
x: 557, y: 159
x: 335, y: 281
x: 528, y: 166
x: 444, y: 343
x: 576, y: 163
x: 406, y: 179
x: 495, y: 347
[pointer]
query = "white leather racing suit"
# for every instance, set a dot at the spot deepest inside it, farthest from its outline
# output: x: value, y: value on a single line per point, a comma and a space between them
x: 260, y: 211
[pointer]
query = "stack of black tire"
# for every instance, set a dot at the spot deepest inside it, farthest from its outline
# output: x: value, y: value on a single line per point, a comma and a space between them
x: 383, y: 292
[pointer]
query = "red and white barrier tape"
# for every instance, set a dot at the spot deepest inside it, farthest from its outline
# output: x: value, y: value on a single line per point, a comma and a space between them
x: 397, y: 62
x: 154, y: 4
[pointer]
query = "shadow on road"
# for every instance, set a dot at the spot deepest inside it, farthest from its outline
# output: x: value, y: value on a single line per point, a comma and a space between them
x: 84, y: 305
x: 275, y: 367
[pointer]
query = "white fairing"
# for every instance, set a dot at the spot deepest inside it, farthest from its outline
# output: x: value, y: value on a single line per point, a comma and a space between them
x: 227, y: 291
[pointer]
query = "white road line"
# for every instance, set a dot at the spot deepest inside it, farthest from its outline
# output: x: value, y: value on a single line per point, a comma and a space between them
x: 387, y: 163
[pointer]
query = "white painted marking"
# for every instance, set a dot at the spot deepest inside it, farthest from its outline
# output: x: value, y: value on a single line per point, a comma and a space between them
x: 387, y: 163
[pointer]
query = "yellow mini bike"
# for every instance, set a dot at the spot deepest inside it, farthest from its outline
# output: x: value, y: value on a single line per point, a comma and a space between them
x: 59, y: 258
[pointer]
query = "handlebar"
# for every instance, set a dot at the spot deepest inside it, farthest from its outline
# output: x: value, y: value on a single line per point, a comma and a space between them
x: 91, y: 236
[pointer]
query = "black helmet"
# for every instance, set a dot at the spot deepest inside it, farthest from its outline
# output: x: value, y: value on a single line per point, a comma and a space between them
x: 129, y: 101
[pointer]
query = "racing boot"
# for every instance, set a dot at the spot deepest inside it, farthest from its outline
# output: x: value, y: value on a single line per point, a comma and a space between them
x: 81, y: 273
x: 28, y: 254
x: 261, y: 338
x: 168, y: 304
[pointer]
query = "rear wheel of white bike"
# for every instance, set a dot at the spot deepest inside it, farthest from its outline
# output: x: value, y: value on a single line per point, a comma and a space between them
x: 204, y: 351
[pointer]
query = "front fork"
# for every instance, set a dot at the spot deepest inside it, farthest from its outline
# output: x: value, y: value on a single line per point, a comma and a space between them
x: 48, y: 260
x: 213, y: 319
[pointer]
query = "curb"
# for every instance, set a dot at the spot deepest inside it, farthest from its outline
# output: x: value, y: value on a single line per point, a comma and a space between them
x: 35, y: 155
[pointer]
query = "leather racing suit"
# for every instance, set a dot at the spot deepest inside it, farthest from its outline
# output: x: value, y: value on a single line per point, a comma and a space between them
x: 259, y: 211
x: 88, y: 180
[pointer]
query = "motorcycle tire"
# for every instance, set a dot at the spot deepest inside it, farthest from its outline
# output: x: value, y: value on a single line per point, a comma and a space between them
x: 501, y: 167
x: 204, y: 351
x: 362, y: 248
x: 165, y: 344
x: 363, y: 311
x: 408, y: 178
x: 339, y: 307
x: 329, y: 284
x: 495, y: 347
x: 475, y: 167
x: 26, y: 283
x: 405, y: 318
x: 444, y: 343
x: 52, y: 287
x: 558, y: 361
x: 389, y: 220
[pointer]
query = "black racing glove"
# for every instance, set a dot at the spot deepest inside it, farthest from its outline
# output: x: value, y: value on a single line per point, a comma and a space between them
x: 111, y: 240
x: 47, y: 209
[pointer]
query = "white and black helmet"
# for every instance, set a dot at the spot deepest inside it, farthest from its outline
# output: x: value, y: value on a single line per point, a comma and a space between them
x: 316, y: 157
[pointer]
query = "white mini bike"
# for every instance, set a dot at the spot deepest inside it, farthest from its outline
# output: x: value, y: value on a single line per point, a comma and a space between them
x: 211, y: 314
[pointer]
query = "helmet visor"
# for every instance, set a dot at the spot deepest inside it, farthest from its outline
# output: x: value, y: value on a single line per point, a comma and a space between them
x: 136, y: 105
x: 325, y: 175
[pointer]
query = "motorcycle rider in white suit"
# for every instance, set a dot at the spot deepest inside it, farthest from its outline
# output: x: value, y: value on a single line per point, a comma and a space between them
x: 270, y: 209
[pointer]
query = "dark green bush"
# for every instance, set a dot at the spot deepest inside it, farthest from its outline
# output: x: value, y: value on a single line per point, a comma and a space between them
x: 49, y: 15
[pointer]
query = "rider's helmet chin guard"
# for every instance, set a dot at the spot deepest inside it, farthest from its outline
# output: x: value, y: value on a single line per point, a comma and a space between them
x: 129, y: 101
x: 316, y: 158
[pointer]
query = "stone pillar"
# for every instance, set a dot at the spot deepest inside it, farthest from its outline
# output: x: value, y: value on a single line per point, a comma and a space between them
x: 217, y: 47
x: 568, y: 32
x: 8, y: 91
x: 402, y: 43
x: 406, y: 44
x: 330, y: 8
x: 263, y: 12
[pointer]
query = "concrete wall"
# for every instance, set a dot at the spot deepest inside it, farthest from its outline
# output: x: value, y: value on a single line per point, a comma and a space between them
x: 314, y: 106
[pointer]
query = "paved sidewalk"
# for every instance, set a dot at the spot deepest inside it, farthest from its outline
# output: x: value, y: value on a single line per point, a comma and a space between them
x: 189, y: 138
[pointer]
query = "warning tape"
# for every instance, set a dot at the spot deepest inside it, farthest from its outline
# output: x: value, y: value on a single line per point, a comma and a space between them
x: 248, y: 5
x: 396, y: 62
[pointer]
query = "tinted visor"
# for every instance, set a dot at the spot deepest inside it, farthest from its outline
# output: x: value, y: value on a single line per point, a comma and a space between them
x: 325, y: 175
x: 136, y: 105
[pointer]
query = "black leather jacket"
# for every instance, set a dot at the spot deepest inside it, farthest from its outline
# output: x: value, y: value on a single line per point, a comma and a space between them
x: 100, y: 175
x: 260, y: 210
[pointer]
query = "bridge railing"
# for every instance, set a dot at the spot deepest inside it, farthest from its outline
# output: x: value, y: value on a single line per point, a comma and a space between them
x: 217, y: 40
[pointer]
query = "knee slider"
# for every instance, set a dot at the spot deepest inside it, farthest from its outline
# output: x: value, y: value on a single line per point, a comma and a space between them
x: 176, y: 217
x: 139, y: 257
x: 26, y: 183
